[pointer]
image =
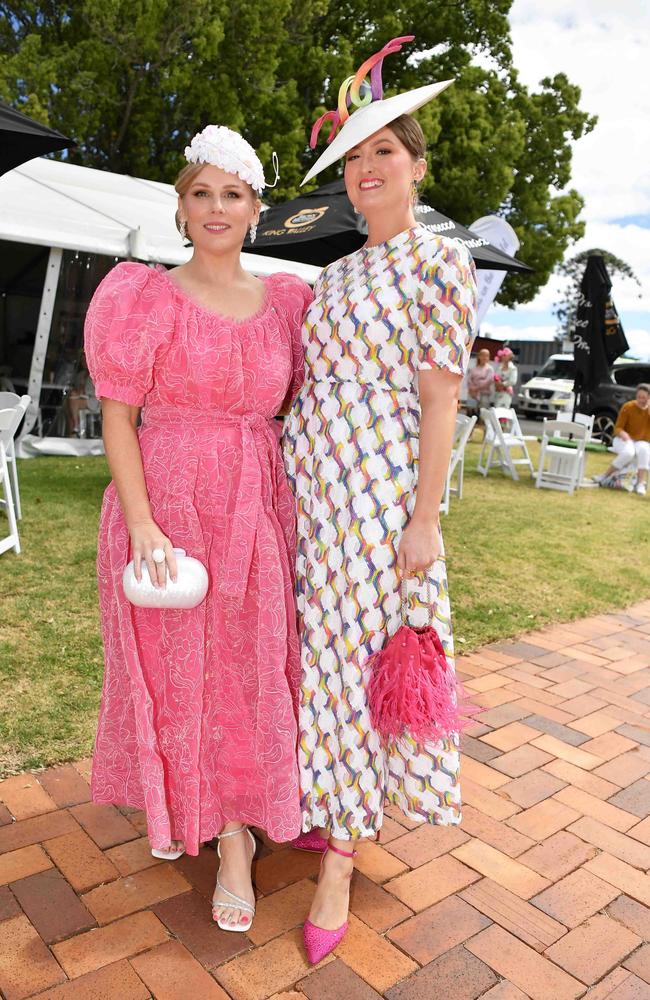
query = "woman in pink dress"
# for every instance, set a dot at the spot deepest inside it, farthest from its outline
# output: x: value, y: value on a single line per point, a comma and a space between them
x: 197, y: 723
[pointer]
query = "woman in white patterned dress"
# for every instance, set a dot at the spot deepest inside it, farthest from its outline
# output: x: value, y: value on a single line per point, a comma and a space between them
x: 387, y: 341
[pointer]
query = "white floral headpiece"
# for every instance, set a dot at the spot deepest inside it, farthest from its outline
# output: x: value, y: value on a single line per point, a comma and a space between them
x: 222, y: 147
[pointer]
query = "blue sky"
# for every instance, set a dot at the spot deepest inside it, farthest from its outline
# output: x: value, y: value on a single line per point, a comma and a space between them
x: 602, y: 47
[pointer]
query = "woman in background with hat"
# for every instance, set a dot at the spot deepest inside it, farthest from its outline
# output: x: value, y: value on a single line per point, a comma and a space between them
x: 198, y: 717
x: 367, y: 446
x: 505, y: 378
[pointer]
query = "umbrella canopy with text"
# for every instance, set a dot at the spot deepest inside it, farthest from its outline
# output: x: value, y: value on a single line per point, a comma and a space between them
x: 598, y: 337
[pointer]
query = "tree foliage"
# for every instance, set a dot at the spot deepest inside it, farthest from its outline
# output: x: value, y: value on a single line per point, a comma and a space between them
x: 574, y: 269
x: 133, y: 80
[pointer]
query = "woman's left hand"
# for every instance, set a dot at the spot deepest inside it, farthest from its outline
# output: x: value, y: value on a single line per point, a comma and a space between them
x: 419, y: 547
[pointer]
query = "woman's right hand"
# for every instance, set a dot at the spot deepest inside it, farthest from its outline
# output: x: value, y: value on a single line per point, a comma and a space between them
x: 145, y: 537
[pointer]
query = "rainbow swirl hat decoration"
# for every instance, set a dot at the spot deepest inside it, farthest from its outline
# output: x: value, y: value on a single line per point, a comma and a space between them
x: 370, y: 111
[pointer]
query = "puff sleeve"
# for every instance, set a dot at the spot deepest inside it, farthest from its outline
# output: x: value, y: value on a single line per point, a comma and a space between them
x: 446, y: 307
x: 297, y: 297
x: 128, y: 324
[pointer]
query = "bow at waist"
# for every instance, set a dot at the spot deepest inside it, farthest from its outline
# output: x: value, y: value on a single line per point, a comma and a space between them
x: 256, y: 434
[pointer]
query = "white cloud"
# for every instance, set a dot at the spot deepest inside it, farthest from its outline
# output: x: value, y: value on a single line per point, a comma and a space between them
x: 602, y: 48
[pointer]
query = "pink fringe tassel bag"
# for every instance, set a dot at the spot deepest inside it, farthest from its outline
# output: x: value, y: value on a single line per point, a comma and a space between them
x: 413, y: 690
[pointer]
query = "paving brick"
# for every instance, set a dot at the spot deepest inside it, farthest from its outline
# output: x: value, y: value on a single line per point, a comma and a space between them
x: 394, y: 813
x: 26, y: 965
x: 510, y: 737
x: 574, y: 755
x: 8, y: 905
x: 172, y: 973
x: 103, y: 946
x: 626, y: 878
x: 532, y: 788
x: 282, y: 868
x: 65, y: 786
x: 552, y: 712
x: 572, y: 688
x: 105, y: 824
x: 431, y: 882
x: 618, y: 844
x: 520, y: 761
x: 641, y: 831
x: 491, y: 831
x: 377, y: 864
x: 535, y: 694
x: 588, y: 781
x: 375, y: 959
x: 608, y: 746
x: 376, y: 907
x: 434, y: 931
x: 618, y: 985
x: 281, y: 911
x: 389, y: 831
x: 482, y: 774
x: 502, y: 715
x: 625, y: 769
x: 576, y: 897
x: 52, y: 906
x: 590, y: 951
x: 82, y: 863
x: 33, y: 831
x: 595, y: 724
x: 115, y: 982
x: 201, y: 871
x: 471, y: 747
x: 535, y: 975
x: 584, y: 705
x: 334, y: 981
x: 189, y: 918
x: 24, y: 797
x: 556, y: 729
x: 544, y: 819
x: 266, y: 970
x: 589, y: 805
x: 636, y: 733
x: 632, y: 915
x: 23, y: 862
x: 488, y: 802
x: 639, y: 963
x: 427, y: 842
x: 132, y: 857
x: 511, y: 874
x: 493, y: 699
x: 526, y: 922
x: 504, y: 991
x: 487, y: 683
x: 458, y: 975
x: 134, y: 892
x: 634, y: 799
x: 560, y: 854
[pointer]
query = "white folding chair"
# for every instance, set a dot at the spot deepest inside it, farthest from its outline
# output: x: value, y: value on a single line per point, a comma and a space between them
x: 565, y: 464
x: 11, y: 400
x: 10, y: 541
x: 463, y: 429
x: 501, y: 444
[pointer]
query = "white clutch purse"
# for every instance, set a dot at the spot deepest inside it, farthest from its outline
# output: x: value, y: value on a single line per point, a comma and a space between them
x: 190, y: 587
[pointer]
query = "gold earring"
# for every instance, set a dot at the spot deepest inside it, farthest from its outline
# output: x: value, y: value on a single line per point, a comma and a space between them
x: 414, y: 191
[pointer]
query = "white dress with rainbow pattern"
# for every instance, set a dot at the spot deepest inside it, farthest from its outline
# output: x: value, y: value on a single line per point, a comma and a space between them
x: 351, y: 446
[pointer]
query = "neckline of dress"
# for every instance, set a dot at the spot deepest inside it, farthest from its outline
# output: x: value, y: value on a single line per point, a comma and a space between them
x: 397, y: 238
x: 233, y: 320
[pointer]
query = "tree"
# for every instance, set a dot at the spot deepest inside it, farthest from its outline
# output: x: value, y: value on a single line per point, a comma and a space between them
x: 573, y: 269
x: 132, y: 82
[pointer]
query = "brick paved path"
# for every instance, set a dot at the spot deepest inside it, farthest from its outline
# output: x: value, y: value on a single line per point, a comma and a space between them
x: 541, y: 893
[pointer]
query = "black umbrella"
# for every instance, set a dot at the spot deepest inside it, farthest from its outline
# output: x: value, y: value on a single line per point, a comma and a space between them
x: 598, y: 337
x: 23, y: 139
x: 321, y: 226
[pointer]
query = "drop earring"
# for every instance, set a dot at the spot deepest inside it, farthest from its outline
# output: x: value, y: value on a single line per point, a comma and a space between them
x: 414, y: 192
x: 182, y: 228
x: 253, y: 232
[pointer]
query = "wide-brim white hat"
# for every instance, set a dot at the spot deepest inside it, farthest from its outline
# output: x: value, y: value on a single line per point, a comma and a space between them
x: 367, y: 120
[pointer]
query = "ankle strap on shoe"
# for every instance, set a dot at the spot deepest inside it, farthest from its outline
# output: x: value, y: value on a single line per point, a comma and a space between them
x: 232, y: 833
x: 337, y: 850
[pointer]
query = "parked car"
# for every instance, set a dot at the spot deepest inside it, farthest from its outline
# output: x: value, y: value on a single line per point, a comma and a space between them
x: 549, y: 391
x: 606, y: 400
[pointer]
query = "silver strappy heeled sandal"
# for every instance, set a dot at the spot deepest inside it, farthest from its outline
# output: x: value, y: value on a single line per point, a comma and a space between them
x: 238, y: 903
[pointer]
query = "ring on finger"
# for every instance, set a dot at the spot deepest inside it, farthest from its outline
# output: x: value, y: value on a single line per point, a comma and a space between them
x: 158, y: 555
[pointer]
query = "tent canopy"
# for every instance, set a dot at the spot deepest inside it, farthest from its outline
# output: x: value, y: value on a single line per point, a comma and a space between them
x: 49, y: 203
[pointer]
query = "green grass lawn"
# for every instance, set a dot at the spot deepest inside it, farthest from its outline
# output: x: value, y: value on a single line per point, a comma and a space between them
x: 518, y: 558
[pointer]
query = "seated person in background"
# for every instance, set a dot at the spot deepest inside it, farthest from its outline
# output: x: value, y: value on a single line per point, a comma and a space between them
x: 632, y: 439
x: 480, y: 380
x: 81, y: 397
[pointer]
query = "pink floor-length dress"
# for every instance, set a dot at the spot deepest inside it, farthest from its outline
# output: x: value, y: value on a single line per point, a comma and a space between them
x: 197, y: 723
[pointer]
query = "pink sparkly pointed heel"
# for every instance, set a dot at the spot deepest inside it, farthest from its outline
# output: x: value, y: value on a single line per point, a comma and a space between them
x: 310, y: 841
x: 318, y: 941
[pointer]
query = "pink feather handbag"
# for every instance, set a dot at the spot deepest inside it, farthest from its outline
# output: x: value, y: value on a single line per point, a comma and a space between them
x: 413, y: 689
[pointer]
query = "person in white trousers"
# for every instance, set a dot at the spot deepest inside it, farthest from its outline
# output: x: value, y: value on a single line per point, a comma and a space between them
x: 632, y: 439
